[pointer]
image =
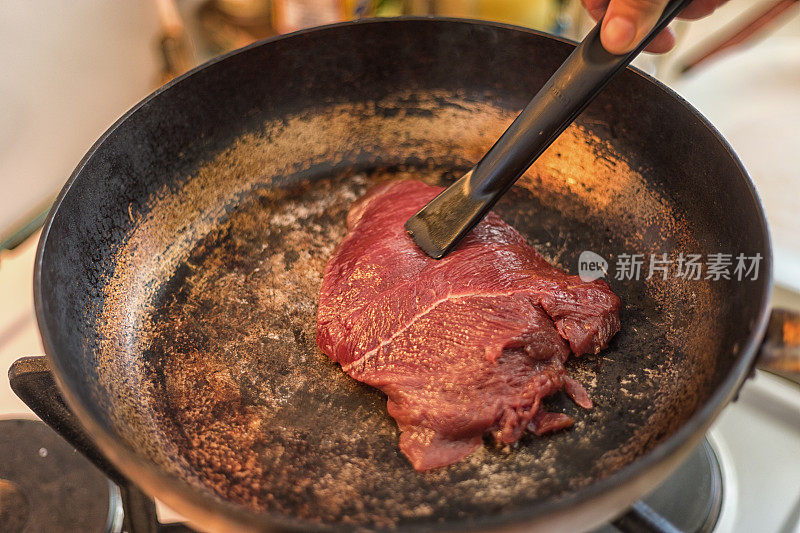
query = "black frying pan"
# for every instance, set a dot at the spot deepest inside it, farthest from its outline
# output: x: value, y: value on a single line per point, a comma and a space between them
x: 177, y: 276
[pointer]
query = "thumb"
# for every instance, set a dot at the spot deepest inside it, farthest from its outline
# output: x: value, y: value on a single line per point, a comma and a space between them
x: 627, y: 22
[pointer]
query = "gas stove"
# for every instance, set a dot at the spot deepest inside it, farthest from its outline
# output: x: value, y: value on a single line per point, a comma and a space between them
x: 45, y: 485
x: 743, y: 477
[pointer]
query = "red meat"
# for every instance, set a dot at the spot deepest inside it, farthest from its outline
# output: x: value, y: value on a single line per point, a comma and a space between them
x: 464, y: 346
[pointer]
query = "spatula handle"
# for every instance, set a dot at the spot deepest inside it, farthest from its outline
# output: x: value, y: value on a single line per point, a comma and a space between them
x: 573, y: 86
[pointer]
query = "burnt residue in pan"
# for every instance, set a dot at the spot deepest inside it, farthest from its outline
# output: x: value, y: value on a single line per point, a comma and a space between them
x: 268, y: 421
x: 245, y: 405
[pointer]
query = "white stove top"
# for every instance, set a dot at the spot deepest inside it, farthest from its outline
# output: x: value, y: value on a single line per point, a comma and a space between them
x: 757, y: 439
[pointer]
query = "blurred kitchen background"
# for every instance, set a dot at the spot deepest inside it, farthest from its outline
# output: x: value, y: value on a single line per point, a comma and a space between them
x: 70, y: 69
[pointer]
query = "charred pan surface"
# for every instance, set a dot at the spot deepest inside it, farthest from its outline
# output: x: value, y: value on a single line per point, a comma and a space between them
x: 209, y: 321
x: 263, y: 418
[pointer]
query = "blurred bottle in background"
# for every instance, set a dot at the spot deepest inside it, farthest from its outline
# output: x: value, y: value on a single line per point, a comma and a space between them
x: 229, y: 24
x: 537, y: 14
x: 291, y: 15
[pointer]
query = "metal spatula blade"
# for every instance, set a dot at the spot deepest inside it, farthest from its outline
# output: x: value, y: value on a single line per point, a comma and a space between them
x: 439, y: 226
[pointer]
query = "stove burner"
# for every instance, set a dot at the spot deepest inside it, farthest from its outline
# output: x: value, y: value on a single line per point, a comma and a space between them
x: 45, y: 485
x: 690, y: 499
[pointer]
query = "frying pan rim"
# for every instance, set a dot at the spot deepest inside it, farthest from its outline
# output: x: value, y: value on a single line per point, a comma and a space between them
x: 147, y: 475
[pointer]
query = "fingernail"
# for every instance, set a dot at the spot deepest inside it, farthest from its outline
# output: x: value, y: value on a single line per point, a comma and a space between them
x: 619, y: 34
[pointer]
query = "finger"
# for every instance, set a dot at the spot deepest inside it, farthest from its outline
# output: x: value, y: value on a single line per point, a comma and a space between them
x: 696, y: 10
x: 627, y: 22
x: 663, y: 42
x: 595, y: 8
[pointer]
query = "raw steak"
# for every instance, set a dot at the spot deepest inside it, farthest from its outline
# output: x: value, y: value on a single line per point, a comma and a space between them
x: 463, y: 346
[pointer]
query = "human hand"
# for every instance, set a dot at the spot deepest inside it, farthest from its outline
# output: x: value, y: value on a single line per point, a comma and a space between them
x: 626, y: 22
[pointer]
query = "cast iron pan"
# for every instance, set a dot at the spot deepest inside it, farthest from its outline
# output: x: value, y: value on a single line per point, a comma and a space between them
x: 177, y: 278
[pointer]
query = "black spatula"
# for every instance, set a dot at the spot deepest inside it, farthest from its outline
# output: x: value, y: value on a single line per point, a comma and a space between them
x: 441, y: 224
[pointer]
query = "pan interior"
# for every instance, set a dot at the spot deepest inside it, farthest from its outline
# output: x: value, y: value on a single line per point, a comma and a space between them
x: 208, y: 322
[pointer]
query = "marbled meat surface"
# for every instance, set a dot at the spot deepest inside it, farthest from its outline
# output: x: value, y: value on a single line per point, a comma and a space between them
x: 465, y: 346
